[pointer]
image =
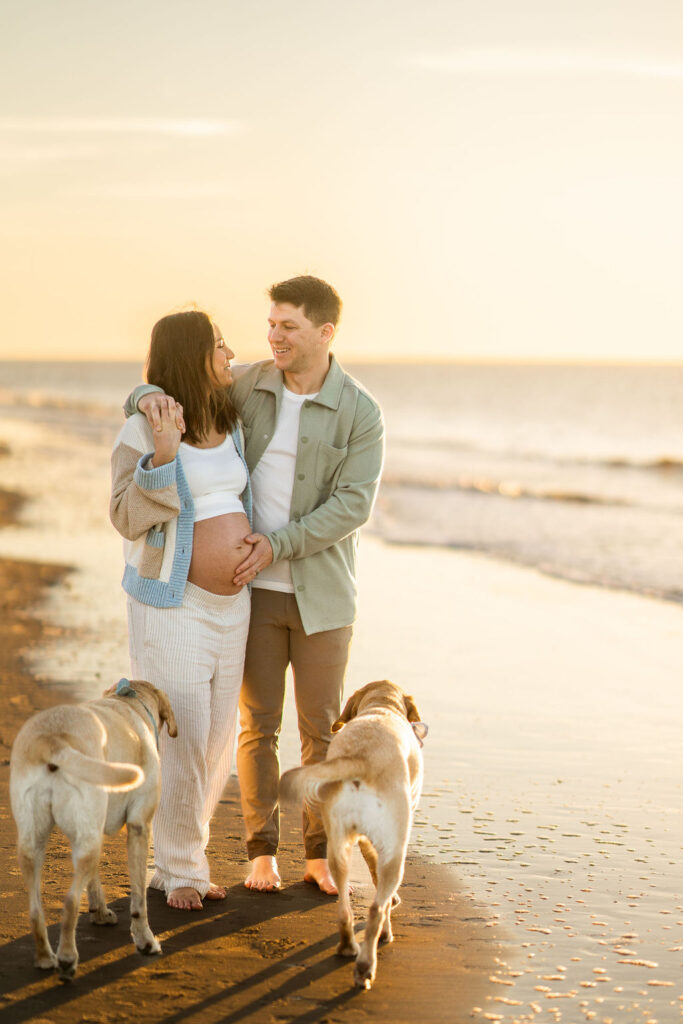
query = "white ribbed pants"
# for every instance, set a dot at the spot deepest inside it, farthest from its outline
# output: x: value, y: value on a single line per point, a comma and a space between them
x: 194, y: 653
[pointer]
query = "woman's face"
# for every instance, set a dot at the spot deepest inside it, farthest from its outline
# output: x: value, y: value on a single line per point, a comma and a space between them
x: 218, y: 364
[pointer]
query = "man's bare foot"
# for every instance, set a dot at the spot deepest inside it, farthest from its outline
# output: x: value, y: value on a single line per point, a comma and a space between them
x: 318, y: 873
x: 264, y: 875
x: 215, y: 892
x: 184, y: 899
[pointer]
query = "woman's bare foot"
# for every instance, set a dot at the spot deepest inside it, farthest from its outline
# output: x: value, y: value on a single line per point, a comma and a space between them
x: 264, y: 875
x: 318, y: 873
x: 215, y: 892
x: 184, y: 899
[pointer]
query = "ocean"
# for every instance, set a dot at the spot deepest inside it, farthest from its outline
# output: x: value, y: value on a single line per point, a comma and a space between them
x: 574, y: 470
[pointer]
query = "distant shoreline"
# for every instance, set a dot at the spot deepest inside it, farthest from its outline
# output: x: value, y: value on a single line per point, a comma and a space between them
x: 353, y: 361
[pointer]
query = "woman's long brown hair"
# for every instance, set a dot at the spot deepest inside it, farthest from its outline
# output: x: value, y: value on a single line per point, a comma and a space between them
x: 177, y: 362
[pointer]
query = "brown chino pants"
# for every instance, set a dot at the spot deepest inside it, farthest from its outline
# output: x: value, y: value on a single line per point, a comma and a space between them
x: 277, y: 639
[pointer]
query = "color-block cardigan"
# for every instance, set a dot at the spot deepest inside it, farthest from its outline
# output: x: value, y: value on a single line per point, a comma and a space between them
x: 153, y: 511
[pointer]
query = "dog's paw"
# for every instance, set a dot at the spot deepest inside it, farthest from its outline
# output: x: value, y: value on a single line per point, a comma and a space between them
x: 348, y: 949
x: 363, y: 974
x: 66, y: 969
x: 147, y: 944
x: 46, y: 962
x: 103, y: 915
x: 152, y: 948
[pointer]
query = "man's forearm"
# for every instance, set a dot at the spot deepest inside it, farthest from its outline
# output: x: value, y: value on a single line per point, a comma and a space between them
x: 130, y: 406
x: 349, y: 505
x: 323, y: 527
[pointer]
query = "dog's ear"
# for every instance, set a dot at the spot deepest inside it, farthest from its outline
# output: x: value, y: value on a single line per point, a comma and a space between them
x: 166, y: 713
x: 350, y: 711
x: 412, y: 714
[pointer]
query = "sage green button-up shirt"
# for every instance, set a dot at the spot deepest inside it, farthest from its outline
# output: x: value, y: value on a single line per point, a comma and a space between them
x: 338, y: 466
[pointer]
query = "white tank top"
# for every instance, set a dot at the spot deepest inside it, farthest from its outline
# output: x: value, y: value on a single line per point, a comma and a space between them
x: 216, y: 478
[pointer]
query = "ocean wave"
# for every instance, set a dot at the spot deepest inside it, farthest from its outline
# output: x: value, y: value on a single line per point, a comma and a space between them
x: 664, y: 462
x: 654, y: 462
x: 620, y: 547
x: 503, y: 488
x: 513, y: 489
x: 45, y: 402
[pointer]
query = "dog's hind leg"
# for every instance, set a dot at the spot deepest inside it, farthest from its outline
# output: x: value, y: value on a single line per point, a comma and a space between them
x: 86, y: 857
x: 339, y: 855
x: 370, y: 858
x: 31, y: 850
x: 389, y: 875
x: 97, y: 904
x: 138, y: 847
x: 392, y: 876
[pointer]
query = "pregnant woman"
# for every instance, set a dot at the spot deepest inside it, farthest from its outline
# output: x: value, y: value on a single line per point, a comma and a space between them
x: 182, y: 502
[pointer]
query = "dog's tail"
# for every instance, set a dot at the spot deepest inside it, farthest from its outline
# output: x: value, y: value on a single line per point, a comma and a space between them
x: 312, y: 783
x: 114, y: 776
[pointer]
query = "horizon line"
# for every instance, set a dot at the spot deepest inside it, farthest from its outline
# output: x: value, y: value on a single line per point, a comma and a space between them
x: 433, y: 360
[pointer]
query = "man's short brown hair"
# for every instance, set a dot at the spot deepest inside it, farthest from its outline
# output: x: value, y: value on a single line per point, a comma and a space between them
x: 321, y: 303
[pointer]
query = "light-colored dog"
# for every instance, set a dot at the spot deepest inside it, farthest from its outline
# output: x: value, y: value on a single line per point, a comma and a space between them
x: 366, y: 792
x: 89, y: 769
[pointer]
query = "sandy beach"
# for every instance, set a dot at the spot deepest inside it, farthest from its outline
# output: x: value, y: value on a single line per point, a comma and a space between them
x: 254, y: 957
x: 543, y: 882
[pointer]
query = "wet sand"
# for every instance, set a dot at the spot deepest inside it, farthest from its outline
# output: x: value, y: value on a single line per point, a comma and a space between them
x: 553, y: 773
x: 544, y: 878
x: 253, y: 957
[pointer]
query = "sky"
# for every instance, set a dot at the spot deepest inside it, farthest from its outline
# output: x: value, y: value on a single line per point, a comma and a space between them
x: 479, y: 179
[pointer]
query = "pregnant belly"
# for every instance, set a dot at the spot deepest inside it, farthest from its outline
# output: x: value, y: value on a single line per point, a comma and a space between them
x: 218, y: 547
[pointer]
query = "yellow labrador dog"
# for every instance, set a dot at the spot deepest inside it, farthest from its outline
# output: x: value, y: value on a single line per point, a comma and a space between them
x: 366, y: 792
x: 89, y: 769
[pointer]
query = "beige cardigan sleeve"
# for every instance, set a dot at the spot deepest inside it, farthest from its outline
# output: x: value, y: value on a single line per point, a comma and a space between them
x: 140, y: 498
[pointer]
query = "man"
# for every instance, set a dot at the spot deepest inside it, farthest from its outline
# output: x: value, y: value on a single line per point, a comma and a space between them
x: 314, y: 448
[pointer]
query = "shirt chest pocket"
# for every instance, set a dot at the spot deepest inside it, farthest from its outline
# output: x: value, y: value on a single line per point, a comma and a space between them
x: 328, y: 464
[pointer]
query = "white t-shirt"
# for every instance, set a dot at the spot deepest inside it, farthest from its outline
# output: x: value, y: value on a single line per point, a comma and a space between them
x: 272, y: 483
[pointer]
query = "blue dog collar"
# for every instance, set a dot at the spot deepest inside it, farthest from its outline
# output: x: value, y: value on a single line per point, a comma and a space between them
x: 124, y: 689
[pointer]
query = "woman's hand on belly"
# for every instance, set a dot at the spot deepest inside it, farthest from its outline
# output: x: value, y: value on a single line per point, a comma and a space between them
x: 218, y: 547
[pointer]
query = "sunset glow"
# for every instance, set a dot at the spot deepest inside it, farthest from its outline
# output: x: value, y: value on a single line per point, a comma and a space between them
x: 479, y: 181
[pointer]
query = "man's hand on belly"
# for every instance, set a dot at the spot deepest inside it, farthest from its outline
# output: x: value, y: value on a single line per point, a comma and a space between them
x: 260, y: 556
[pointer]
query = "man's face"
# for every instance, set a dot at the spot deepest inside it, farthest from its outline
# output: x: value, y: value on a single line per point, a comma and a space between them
x: 297, y: 344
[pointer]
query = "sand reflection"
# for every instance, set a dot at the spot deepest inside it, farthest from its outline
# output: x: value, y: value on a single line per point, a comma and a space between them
x: 554, y: 788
